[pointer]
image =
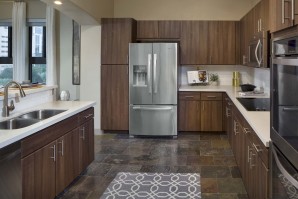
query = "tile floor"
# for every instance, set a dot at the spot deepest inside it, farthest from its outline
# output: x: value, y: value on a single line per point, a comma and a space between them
x: 206, y: 153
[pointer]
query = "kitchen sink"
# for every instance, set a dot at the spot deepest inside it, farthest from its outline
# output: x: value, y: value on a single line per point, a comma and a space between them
x: 28, y: 119
x: 17, y: 123
x: 41, y: 114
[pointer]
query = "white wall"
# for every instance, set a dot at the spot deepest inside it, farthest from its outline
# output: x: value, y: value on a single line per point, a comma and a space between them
x: 225, y: 73
x: 90, y: 68
x: 64, y: 56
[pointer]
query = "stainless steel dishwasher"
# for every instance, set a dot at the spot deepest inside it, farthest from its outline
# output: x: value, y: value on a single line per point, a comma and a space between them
x: 10, y: 172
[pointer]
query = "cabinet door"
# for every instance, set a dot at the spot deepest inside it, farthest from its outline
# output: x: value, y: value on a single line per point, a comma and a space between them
x: 116, y: 34
x: 147, y: 29
x: 189, y: 115
x: 68, y: 160
x: 211, y: 115
x: 86, y: 144
x: 194, y: 42
x: 283, y: 19
x: 262, y: 181
x: 169, y: 29
x: 38, y: 173
x: 114, y: 97
x: 222, y: 42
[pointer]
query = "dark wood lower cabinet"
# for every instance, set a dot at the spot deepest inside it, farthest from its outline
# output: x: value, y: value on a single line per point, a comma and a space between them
x: 38, y: 172
x: 248, y: 157
x: 189, y: 115
x: 46, y: 172
x: 86, y: 144
x: 67, y: 160
x: 211, y: 115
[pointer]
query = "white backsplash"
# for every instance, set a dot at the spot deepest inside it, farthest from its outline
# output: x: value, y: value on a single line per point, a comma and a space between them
x: 257, y: 76
x: 31, y: 100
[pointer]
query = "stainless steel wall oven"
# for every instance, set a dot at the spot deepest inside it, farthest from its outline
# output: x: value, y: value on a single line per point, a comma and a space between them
x: 284, y: 118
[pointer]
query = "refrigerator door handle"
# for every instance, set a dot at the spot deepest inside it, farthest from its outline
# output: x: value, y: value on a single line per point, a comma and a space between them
x: 149, y: 73
x: 152, y: 109
x: 154, y: 73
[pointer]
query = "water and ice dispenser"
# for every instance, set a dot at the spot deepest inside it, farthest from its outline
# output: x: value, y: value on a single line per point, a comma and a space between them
x: 140, y: 75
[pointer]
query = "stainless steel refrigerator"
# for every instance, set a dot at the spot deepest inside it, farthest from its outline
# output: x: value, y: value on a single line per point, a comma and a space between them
x: 153, y: 89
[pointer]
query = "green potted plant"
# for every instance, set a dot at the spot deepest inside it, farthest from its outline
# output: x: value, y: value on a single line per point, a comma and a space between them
x: 213, y: 79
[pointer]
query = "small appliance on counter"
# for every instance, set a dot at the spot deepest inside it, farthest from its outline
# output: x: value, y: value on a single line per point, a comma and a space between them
x: 197, y: 77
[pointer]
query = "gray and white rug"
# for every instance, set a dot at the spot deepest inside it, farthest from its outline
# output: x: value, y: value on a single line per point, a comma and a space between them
x: 154, y: 186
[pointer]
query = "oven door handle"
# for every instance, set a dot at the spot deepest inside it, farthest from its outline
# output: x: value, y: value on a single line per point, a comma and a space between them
x: 290, y: 109
x: 284, y: 172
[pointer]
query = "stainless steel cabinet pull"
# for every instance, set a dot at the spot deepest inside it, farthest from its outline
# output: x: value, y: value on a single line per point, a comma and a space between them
x: 62, y: 147
x: 293, y: 10
x: 235, y: 127
x: 251, y: 165
x: 149, y: 73
x: 203, y: 106
x: 248, y: 53
x: 227, y: 112
x: 54, y: 153
x: 282, y: 11
x: 154, y: 73
x: 229, y: 104
x: 210, y: 59
x: 260, y: 25
x: 257, y: 147
x: 83, y: 133
x: 87, y: 116
x: 246, y: 130
x: 248, y: 154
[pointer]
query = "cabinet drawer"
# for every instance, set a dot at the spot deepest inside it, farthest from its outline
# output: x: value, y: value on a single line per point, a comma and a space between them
x: 211, y: 96
x: 86, y: 115
x: 189, y: 95
x: 261, y: 149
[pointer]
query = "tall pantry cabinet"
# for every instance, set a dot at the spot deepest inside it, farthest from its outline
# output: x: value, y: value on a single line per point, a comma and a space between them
x: 115, y: 38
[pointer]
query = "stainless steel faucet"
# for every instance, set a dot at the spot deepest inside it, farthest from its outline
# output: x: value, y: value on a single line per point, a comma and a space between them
x: 6, y: 108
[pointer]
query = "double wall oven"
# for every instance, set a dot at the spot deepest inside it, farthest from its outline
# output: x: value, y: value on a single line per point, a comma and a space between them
x: 284, y: 118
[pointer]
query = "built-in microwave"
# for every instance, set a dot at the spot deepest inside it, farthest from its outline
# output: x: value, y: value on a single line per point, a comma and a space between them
x: 258, y: 50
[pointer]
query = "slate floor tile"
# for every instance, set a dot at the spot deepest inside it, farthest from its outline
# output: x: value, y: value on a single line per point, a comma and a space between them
x: 206, y: 153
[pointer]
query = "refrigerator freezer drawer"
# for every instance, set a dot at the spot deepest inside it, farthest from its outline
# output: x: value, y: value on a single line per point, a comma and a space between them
x: 153, y: 120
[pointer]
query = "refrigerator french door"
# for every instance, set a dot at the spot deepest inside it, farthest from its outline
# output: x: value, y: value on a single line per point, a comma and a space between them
x: 153, y: 89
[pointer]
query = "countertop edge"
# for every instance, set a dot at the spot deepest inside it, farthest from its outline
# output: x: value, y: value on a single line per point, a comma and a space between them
x: 250, y: 116
x: 8, y: 137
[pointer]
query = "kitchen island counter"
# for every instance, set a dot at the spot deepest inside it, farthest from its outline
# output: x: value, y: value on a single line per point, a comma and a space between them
x: 258, y: 120
x: 72, y: 107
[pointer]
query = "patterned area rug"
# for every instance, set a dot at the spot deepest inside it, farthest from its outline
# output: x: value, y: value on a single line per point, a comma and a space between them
x: 154, y: 186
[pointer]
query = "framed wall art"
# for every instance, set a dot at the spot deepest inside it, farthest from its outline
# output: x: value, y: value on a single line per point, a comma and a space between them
x: 76, y: 51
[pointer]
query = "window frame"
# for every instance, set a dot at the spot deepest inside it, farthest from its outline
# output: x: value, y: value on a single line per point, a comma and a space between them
x: 36, y: 60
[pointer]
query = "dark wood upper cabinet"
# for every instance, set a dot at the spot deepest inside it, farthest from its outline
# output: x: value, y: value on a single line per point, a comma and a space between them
x: 222, y: 42
x: 194, y: 42
x: 115, y: 36
x: 114, y: 97
x: 158, y: 30
x: 147, y: 29
x: 169, y: 29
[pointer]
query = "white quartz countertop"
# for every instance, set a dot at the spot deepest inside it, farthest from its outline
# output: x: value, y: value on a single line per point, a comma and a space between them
x: 258, y: 120
x: 72, y: 107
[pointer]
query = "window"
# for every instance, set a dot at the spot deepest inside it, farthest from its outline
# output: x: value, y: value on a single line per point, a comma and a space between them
x: 37, y: 53
x: 6, y: 67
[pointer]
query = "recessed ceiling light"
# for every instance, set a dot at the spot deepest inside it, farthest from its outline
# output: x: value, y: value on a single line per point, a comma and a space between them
x: 58, y: 2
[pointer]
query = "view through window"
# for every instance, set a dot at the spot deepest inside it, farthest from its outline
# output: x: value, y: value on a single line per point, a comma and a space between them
x: 37, y: 54
x: 6, y: 67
